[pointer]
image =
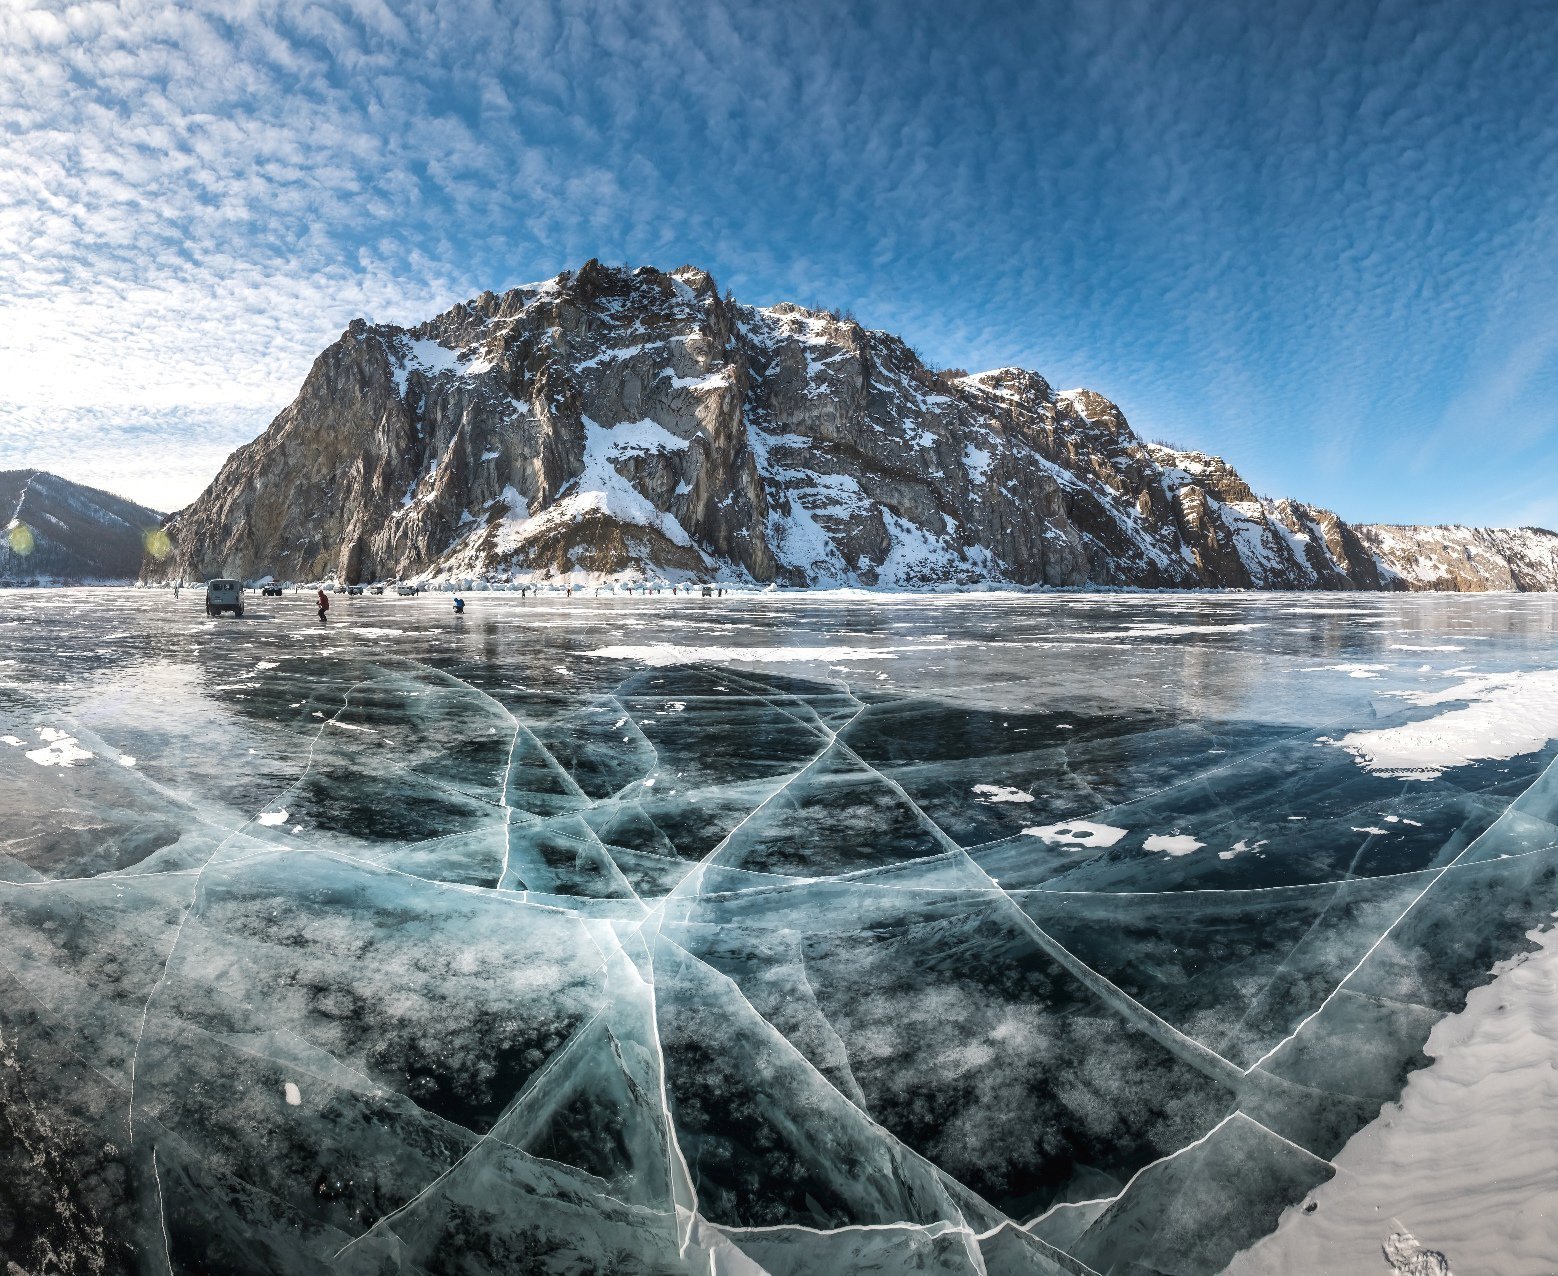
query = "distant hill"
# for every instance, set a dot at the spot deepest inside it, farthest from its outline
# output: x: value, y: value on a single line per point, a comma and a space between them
x: 1467, y: 559
x: 616, y: 423
x: 58, y: 530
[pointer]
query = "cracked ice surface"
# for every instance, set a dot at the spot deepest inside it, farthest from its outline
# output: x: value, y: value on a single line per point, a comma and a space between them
x: 1048, y: 934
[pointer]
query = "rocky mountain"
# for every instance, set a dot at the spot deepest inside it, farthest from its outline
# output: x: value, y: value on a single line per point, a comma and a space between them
x: 614, y: 423
x: 58, y: 530
x: 1240, y: 539
x: 1466, y: 559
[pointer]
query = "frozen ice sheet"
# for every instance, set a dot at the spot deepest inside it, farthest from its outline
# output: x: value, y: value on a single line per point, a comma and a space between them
x: 996, y: 933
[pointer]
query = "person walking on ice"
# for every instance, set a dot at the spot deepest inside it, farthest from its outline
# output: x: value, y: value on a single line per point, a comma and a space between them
x: 324, y: 605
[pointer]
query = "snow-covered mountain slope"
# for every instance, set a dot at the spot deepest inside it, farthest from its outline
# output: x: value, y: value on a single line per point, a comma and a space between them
x: 622, y: 423
x: 1238, y: 538
x: 58, y: 530
x: 1467, y: 559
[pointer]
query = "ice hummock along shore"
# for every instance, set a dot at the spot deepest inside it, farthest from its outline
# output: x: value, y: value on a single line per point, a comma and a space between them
x: 1025, y: 933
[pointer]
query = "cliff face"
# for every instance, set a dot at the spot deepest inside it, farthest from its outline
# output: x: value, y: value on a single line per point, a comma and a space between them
x: 1467, y: 559
x: 1239, y: 539
x: 58, y: 530
x: 623, y: 423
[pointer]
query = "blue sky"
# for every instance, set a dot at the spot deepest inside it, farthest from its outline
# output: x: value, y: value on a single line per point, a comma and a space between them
x: 1320, y: 239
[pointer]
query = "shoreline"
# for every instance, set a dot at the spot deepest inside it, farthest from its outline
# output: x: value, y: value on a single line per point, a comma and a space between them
x: 1436, y: 1166
x: 611, y: 589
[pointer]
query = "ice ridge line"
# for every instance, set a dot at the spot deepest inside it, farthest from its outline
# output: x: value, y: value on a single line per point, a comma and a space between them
x: 1198, y: 1055
x: 555, y: 1061
x: 194, y: 899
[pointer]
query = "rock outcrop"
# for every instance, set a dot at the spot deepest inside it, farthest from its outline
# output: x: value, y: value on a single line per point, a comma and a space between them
x: 624, y: 423
x: 1466, y: 559
x: 1241, y: 540
x: 57, y: 530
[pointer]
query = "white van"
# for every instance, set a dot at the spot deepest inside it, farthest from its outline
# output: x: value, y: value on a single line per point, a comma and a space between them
x: 224, y: 595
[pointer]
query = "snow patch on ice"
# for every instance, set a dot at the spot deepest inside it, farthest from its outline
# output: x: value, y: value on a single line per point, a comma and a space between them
x: 1001, y: 793
x: 273, y: 817
x: 1239, y: 848
x: 1077, y: 833
x: 1172, y: 843
x: 1154, y: 629
x: 61, y: 749
x: 1504, y: 716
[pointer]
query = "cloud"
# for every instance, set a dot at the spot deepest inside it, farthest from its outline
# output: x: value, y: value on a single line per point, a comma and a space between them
x: 160, y: 456
x: 1316, y: 238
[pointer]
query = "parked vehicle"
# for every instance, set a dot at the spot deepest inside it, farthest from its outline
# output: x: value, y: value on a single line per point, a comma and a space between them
x: 270, y: 591
x: 224, y: 595
x: 353, y: 591
x: 376, y: 589
x: 407, y: 591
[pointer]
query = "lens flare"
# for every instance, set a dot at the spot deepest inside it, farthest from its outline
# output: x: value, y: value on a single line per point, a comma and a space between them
x: 158, y: 543
x: 19, y: 538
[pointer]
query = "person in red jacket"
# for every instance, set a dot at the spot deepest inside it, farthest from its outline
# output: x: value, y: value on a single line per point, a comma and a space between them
x: 324, y: 606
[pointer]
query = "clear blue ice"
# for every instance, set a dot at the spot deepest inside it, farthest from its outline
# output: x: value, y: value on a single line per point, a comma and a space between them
x: 976, y: 934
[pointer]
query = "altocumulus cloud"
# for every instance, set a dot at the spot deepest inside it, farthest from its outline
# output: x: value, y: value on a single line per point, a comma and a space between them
x: 1317, y: 237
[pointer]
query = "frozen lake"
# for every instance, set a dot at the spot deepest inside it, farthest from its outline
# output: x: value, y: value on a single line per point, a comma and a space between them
x: 980, y: 934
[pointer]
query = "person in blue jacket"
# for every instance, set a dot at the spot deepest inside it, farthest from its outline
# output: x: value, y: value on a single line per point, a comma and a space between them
x: 459, y: 605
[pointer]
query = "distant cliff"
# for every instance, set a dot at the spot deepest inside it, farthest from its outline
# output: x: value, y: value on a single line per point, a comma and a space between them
x: 618, y: 423
x: 1467, y: 559
x: 61, y: 531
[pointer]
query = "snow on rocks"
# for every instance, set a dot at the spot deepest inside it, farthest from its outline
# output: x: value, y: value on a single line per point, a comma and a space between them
x: 433, y: 359
x: 624, y: 422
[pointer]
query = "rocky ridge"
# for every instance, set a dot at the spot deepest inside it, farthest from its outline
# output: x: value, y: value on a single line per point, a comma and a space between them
x: 617, y: 424
x: 57, y: 530
x: 1466, y: 559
